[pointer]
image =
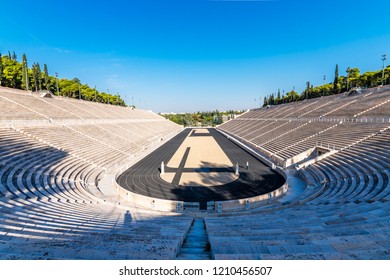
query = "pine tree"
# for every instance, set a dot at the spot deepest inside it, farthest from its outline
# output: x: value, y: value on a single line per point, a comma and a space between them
x: 46, y: 76
x: 36, y: 75
x: 39, y: 76
x: 307, y: 89
x: 1, y: 68
x: 336, y: 80
x: 24, y: 72
x: 272, y: 99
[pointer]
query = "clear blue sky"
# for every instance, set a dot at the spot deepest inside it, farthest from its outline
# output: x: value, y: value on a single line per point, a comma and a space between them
x: 190, y: 55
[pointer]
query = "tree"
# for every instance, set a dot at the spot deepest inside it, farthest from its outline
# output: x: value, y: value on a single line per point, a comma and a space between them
x: 292, y: 96
x: 307, y: 91
x: 46, y: 76
x: 24, y: 72
x: 14, y: 57
x: 272, y: 99
x: 12, y: 73
x: 36, y: 71
x: 278, y: 98
x: 1, y: 68
x: 70, y: 87
x: 336, y: 86
x: 34, y: 74
x: 354, y: 75
x: 39, y: 73
x: 265, y: 102
x: 367, y: 79
x: 37, y: 76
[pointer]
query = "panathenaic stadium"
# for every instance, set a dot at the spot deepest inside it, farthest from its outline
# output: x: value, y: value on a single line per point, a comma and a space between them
x: 305, y: 180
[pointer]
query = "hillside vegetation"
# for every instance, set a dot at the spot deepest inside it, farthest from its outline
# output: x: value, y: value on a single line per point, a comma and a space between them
x: 17, y: 74
x: 340, y: 84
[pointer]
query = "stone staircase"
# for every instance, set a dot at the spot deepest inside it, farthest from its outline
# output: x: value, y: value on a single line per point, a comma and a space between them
x: 196, y: 245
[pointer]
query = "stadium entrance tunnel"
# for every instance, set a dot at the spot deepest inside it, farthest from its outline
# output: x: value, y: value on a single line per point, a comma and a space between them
x: 200, y: 169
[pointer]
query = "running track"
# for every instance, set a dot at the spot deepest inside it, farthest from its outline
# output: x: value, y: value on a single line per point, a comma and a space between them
x: 144, y: 177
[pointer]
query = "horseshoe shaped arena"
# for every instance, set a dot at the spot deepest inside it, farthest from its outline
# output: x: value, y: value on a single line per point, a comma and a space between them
x: 303, y: 180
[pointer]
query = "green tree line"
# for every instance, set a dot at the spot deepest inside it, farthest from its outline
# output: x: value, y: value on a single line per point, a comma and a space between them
x: 18, y: 75
x: 340, y: 84
x: 201, y: 118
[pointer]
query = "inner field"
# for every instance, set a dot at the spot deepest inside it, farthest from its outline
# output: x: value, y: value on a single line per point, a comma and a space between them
x: 205, y: 151
x: 199, y: 161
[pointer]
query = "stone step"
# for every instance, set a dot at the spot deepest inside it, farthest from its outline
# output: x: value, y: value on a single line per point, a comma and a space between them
x: 205, y: 256
x: 194, y: 250
x: 191, y: 239
x: 195, y: 245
